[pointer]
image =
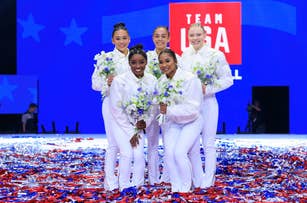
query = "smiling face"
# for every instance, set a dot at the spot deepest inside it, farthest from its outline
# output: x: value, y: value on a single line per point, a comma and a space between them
x: 196, y: 37
x: 121, y: 41
x: 168, y: 64
x: 160, y: 38
x: 138, y: 64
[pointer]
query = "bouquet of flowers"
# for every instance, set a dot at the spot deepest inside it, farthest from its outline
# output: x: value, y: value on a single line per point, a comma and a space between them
x: 154, y: 68
x: 138, y: 106
x: 206, y: 72
x: 106, y: 67
x: 169, y: 92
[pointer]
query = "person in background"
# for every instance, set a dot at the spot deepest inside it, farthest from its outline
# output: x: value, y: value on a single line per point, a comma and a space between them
x: 181, y: 128
x: 107, y: 66
x: 256, y: 117
x: 129, y: 93
x: 211, y: 67
x: 29, y: 120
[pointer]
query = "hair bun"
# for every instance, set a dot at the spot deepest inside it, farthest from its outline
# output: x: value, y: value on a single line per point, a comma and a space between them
x: 137, y: 49
x: 138, y: 46
x: 119, y: 25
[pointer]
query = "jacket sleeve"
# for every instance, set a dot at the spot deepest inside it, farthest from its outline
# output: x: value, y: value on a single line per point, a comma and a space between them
x: 224, y: 79
x: 98, y: 81
x: 189, y: 110
x: 118, y: 113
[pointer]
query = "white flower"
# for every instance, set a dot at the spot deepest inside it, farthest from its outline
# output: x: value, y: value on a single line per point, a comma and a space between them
x: 169, y: 92
x: 106, y: 66
x: 206, y: 72
x: 138, y: 106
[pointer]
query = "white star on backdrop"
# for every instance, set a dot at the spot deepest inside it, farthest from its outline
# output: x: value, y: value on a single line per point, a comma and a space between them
x: 73, y: 33
x: 30, y: 28
x: 6, y: 90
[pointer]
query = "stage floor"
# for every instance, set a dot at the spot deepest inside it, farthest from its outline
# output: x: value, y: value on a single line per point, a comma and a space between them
x: 69, y: 168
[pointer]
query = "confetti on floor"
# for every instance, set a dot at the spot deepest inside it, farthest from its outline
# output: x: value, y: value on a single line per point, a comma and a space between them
x: 55, y: 168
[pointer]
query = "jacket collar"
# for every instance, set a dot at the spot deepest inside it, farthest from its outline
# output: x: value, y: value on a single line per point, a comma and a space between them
x: 120, y: 54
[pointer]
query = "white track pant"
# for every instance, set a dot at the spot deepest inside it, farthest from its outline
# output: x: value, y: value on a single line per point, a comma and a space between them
x: 165, y: 176
x: 179, y: 140
x: 118, y: 142
x: 210, y: 112
x: 111, y: 180
x: 194, y: 156
x: 210, y: 120
x: 153, y: 133
x: 127, y: 155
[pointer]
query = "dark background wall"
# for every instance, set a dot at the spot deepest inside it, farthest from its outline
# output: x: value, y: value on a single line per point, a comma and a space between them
x: 8, y: 122
x: 8, y: 37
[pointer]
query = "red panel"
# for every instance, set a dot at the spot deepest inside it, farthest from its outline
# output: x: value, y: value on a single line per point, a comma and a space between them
x: 222, y: 21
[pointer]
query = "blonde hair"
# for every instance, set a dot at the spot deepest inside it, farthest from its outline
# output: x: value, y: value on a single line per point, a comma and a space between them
x: 197, y: 25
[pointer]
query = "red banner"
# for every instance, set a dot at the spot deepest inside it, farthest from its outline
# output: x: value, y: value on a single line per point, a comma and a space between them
x: 222, y: 22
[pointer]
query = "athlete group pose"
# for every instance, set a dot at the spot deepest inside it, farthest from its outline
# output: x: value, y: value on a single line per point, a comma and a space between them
x: 146, y: 94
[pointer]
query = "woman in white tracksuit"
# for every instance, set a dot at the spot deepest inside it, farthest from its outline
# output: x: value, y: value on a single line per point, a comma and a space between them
x: 183, y: 119
x: 119, y: 60
x: 200, y: 54
x: 160, y: 37
x: 129, y: 142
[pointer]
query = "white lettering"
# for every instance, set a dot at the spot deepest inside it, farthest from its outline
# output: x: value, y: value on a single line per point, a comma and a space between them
x: 237, y: 76
x: 182, y: 39
x: 207, y: 19
x: 188, y: 18
x: 197, y: 18
x: 221, y: 39
x: 208, y: 33
x: 218, y: 18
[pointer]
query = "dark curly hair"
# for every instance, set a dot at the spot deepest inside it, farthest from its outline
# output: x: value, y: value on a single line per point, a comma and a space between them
x: 137, y: 49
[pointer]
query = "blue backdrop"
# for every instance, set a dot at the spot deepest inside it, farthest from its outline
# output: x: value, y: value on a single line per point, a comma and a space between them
x: 16, y: 93
x: 57, y: 41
